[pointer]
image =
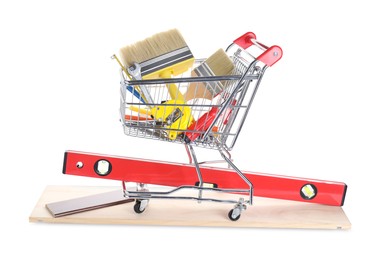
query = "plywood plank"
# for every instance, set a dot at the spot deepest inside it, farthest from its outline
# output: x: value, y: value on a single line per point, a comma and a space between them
x: 265, y: 213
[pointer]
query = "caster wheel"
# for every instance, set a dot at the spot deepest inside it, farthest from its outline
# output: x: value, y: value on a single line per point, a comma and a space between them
x: 233, y: 214
x: 137, y: 207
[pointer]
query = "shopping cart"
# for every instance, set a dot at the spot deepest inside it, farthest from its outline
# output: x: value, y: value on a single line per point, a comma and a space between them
x: 149, y: 110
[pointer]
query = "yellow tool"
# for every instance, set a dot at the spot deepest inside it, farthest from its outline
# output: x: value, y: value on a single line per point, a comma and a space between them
x: 162, y: 55
x: 175, y: 115
x: 141, y: 111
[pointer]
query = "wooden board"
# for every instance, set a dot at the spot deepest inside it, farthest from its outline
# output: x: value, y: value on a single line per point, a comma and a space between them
x: 265, y: 213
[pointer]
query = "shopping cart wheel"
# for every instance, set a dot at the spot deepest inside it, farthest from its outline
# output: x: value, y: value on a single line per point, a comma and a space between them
x: 234, y: 214
x: 140, y: 206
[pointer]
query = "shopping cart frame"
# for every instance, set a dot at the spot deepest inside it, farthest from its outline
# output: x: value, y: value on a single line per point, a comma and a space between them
x: 237, y: 99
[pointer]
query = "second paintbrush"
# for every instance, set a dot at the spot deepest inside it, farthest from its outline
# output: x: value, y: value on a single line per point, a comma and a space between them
x: 218, y: 64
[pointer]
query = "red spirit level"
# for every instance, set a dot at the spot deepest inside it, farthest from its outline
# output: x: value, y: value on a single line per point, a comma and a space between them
x: 176, y: 174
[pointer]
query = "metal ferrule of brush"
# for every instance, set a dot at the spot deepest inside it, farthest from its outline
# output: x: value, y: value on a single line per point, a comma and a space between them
x: 166, y: 60
x: 214, y: 87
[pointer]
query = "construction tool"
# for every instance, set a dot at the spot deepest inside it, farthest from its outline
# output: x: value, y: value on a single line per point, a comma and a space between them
x: 218, y: 64
x: 162, y: 55
x: 179, y: 174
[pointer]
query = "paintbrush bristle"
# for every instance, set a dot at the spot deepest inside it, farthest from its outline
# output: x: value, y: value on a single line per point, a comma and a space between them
x: 220, y: 64
x: 154, y: 46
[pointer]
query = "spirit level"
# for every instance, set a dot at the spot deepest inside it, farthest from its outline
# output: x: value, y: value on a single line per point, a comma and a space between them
x: 175, y: 174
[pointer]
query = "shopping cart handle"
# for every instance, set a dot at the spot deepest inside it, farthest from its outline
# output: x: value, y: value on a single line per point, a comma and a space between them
x: 246, y: 40
x: 270, y: 55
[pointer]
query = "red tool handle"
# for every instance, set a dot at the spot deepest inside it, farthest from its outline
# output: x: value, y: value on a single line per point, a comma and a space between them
x: 270, y: 55
x: 136, y: 118
x: 200, y: 125
x: 228, y: 113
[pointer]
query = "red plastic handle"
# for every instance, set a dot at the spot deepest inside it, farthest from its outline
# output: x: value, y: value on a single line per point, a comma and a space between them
x: 245, y: 40
x: 271, y: 54
x: 202, y: 124
x: 137, y: 118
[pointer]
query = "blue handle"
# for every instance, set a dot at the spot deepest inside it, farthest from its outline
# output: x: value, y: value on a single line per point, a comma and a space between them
x: 135, y: 93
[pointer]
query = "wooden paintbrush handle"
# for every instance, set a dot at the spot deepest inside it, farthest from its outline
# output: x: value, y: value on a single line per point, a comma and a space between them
x: 197, y: 90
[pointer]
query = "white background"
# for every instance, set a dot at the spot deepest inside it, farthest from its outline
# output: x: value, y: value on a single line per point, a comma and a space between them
x: 317, y: 114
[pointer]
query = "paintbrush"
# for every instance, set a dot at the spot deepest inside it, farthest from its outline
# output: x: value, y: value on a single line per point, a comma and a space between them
x: 162, y: 55
x: 218, y: 64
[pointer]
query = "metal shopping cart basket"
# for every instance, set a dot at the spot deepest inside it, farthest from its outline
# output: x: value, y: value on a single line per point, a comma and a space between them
x: 208, y: 122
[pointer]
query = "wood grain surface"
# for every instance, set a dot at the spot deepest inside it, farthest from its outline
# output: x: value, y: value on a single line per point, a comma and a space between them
x: 265, y: 213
